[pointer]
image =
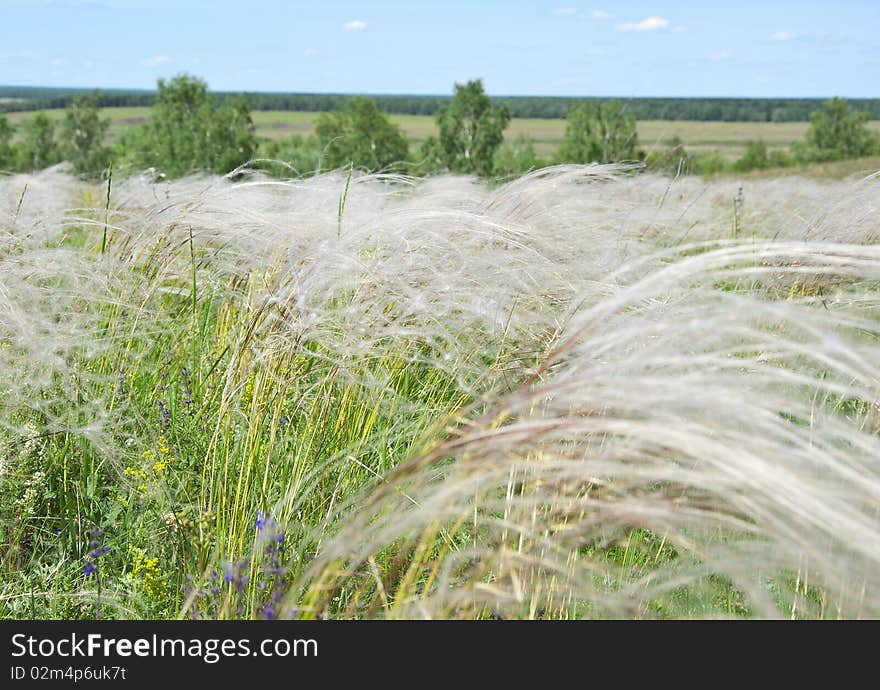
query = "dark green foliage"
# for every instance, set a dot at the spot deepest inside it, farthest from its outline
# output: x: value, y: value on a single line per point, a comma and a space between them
x: 131, y: 147
x: 707, y: 164
x: 194, y: 130
x: 359, y: 134
x: 232, y: 138
x: 83, y: 133
x: 516, y: 157
x: 189, y: 131
x: 600, y: 133
x: 672, y: 158
x: 295, y: 156
x: 430, y: 157
x: 39, y: 149
x: 755, y: 157
x: 780, y: 159
x: 178, y: 129
x: 837, y: 133
x: 7, y: 153
x: 471, y: 130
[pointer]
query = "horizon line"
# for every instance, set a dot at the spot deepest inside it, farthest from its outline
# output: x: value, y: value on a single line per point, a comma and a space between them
x: 434, y: 95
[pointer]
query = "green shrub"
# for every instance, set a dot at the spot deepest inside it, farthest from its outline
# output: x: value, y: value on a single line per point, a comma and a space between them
x: 837, y: 133
x: 708, y: 164
x: 361, y: 135
x: 516, y: 157
x: 755, y: 157
x: 7, y: 152
x: 780, y: 159
x: 294, y: 156
x: 83, y: 132
x: 189, y: 131
x: 603, y: 133
x: 672, y: 158
x: 471, y: 130
x: 39, y: 149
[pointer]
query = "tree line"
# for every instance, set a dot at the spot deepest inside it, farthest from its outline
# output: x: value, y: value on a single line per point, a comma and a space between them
x: 836, y: 132
x: 702, y: 109
x: 191, y: 129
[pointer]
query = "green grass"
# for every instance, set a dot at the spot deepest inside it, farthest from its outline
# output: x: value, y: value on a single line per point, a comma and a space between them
x: 194, y: 418
x: 832, y: 170
x: 188, y: 489
x: 213, y: 438
x: 727, y: 138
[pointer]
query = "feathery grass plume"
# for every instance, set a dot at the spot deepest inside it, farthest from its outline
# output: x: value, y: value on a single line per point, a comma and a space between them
x: 717, y: 435
x: 688, y: 411
x: 571, y: 395
x: 47, y: 291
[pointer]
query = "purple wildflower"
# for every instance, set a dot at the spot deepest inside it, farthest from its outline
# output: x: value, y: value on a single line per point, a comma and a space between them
x: 97, y: 553
x: 165, y: 414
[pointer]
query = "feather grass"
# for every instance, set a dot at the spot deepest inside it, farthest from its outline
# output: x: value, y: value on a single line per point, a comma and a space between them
x: 575, y: 395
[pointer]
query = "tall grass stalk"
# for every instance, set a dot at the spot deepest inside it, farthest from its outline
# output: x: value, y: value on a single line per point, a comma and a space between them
x: 107, y: 208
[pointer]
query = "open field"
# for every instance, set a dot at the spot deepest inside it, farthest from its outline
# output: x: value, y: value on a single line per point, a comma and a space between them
x: 119, y: 118
x: 588, y: 393
x: 854, y: 168
x: 727, y: 138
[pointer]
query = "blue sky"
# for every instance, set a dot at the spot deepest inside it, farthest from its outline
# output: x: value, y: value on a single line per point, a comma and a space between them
x: 567, y: 48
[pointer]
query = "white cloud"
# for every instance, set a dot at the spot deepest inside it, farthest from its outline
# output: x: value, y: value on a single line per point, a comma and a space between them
x: 355, y: 25
x: 310, y: 52
x: 602, y: 14
x: 565, y: 11
x: 155, y: 60
x: 647, y: 24
x: 721, y: 55
x: 782, y: 36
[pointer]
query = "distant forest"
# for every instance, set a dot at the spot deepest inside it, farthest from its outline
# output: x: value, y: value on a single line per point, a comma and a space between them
x: 15, y: 98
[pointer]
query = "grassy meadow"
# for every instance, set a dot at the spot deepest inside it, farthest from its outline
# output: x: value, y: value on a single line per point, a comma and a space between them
x: 729, y: 139
x: 589, y: 392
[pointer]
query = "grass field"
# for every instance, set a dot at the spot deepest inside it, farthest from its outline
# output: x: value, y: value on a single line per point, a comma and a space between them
x: 727, y: 138
x: 590, y: 392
